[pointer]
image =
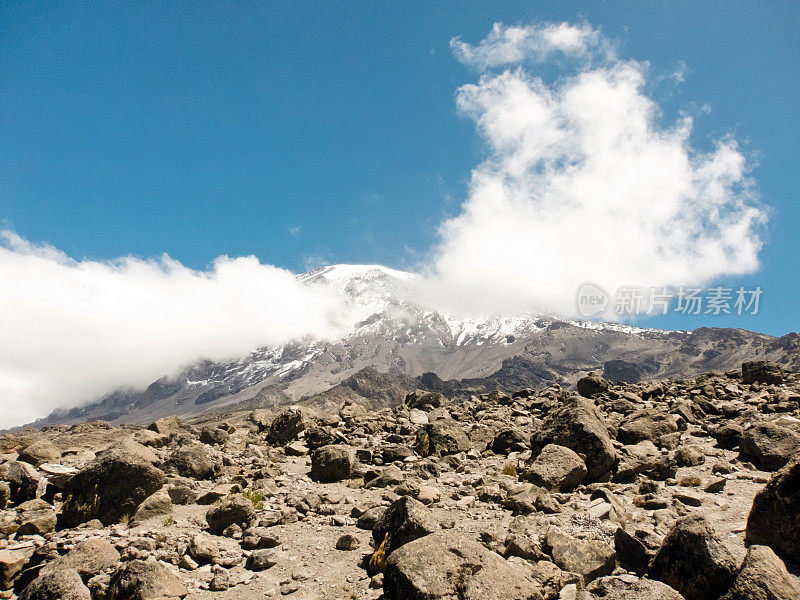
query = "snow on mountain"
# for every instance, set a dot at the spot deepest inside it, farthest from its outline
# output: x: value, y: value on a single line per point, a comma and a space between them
x: 394, y: 334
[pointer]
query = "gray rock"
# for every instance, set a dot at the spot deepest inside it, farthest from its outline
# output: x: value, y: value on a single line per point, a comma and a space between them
x: 689, y: 456
x: 588, y: 558
x: 347, y: 541
x: 763, y: 577
x: 11, y: 564
x: 193, y: 461
x: 5, y: 494
x: 445, y: 566
x: 370, y: 517
x: 88, y: 558
x: 405, y: 520
x: 235, y: 509
x: 57, y: 584
x: 728, y: 435
x: 423, y: 400
x: 633, y: 553
x: 40, y: 452
x: 770, y: 445
x: 261, y: 560
x: 762, y: 372
x: 214, y: 435
x: 165, y: 425
x: 442, y: 438
x: 157, y: 505
x: 108, y: 489
x: 646, y: 424
x: 694, y: 561
x: 286, y: 427
x: 181, y: 494
x: 332, y: 463
x: 626, y: 587
x: 774, y: 518
x: 36, y: 517
x: 592, y: 385
x: 556, y: 468
x: 144, y: 580
x: 510, y: 439
x: 22, y: 479
x: 579, y: 426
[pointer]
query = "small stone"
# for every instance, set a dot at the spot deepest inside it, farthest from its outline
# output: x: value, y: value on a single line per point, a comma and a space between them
x: 347, y: 542
x: 261, y: 560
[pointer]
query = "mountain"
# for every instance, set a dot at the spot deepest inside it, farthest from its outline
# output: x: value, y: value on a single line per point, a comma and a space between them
x: 400, y: 345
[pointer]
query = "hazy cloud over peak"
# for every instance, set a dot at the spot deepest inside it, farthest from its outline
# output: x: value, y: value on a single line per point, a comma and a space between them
x: 74, y: 330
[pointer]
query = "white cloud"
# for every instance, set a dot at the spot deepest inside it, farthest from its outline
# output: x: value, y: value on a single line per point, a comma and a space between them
x: 582, y: 183
x: 75, y: 330
x: 508, y: 45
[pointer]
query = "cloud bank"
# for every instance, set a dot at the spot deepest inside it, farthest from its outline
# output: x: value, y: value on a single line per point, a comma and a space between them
x: 75, y: 330
x: 582, y: 182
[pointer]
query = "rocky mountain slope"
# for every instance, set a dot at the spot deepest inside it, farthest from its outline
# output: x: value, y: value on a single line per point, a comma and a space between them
x: 662, y: 490
x: 403, y: 339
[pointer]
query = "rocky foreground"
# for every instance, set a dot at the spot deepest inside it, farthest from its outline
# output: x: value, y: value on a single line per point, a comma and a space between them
x: 679, y: 489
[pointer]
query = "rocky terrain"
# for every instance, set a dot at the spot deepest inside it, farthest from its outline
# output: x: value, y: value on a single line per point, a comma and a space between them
x: 428, y: 349
x: 653, y: 490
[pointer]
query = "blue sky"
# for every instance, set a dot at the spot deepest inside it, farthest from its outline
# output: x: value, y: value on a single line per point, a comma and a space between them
x: 313, y: 133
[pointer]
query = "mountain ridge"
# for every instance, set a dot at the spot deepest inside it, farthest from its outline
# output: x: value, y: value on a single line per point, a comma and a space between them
x: 409, y: 342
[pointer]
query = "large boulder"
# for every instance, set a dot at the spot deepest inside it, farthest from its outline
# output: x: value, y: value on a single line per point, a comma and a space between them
x: 770, y: 445
x: 510, y: 439
x: 763, y: 577
x: 157, y: 505
x: 131, y: 447
x: 588, y: 558
x: 165, y: 426
x: 627, y: 587
x: 694, y: 561
x: 88, y: 558
x: 193, y: 461
x: 579, y: 426
x: 643, y: 458
x: 774, y: 519
x: 557, y: 468
x: 40, y: 452
x: 5, y: 494
x: 144, y: 580
x: 109, y: 488
x: 36, y: 517
x: 646, y: 424
x: 422, y: 400
x: 23, y: 480
x: 405, y: 520
x: 442, y: 438
x: 592, y: 385
x: 332, y: 463
x: 56, y: 584
x: 214, y: 435
x: 634, y: 551
x: 236, y: 509
x: 761, y: 371
x: 11, y: 564
x: 286, y: 427
x: 445, y: 566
